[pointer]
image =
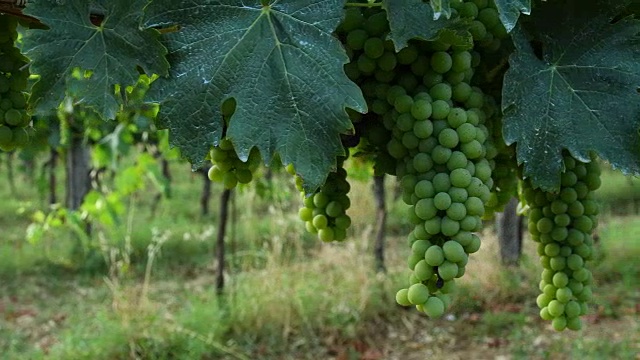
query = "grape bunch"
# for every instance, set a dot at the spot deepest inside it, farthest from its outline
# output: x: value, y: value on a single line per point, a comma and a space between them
x: 227, y: 167
x: 324, y: 212
x: 561, y: 223
x: 436, y: 143
x: 14, y: 119
x: 446, y: 181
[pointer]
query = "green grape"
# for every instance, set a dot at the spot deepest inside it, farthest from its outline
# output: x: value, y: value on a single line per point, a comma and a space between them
x: 421, y: 110
x: 489, y: 17
x: 449, y: 227
x: 460, y: 178
x: 377, y: 24
x: 418, y: 294
x: 453, y: 251
x: 455, y: 78
x: 434, y: 307
x: 441, y: 182
x: 374, y: 47
x: 457, y: 117
x: 448, y: 138
x: 423, y: 129
x: 423, y: 271
x: 326, y: 234
x: 12, y: 117
x: 343, y: 222
x: 559, y: 323
x: 334, y: 209
x: 402, y: 297
x: 408, y: 55
x: 425, y: 209
x: 387, y: 61
x: 456, y: 211
x: 477, y: 30
x: 403, y: 104
x: 573, y: 323
x: 448, y: 270
x: 440, y: 109
x: 424, y: 189
x: 353, y: 20
x: 229, y: 180
x: 320, y: 199
x: 441, y: 91
x: 434, y: 256
x: 356, y: 39
x: 461, y: 61
x: 422, y: 162
x: 475, y: 100
x: 441, y: 62
x: 461, y: 92
x: 564, y: 295
x: 441, y: 154
x: 472, y: 149
x: 366, y: 64
x: 305, y: 214
x: 457, y: 160
x: 458, y: 195
x: 419, y: 247
x: 431, y: 78
x: 468, y: 10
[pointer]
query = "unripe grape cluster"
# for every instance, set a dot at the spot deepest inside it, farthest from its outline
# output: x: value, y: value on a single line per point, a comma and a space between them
x: 227, y: 167
x: 324, y: 212
x: 561, y: 223
x: 446, y: 181
x: 436, y: 139
x: 14, y: 118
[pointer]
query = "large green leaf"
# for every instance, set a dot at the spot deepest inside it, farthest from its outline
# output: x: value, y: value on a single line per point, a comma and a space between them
x: 111, y: 52
x: 582, y: 95
x: 414, y: 19
x: 282, y: 65
x: 510, y: 10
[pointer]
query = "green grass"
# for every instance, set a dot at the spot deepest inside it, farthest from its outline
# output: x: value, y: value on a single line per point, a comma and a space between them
x: 619, y: 194
x: 288, y: 296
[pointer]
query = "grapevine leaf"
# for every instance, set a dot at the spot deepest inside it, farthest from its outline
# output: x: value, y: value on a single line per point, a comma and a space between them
x: 582, y: 95
x: 281, y: 64
x: 110, y: 51
x: 415, y: 19
x: 510, y: 10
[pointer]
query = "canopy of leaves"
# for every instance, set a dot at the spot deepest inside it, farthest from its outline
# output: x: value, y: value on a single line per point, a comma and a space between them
x: 110, y: 52
x: 414, y: 19
x: 281, y: 64
x: 510, y: 10
x: 581, y: 95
